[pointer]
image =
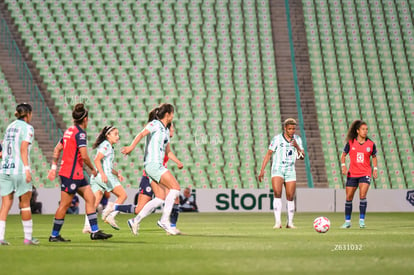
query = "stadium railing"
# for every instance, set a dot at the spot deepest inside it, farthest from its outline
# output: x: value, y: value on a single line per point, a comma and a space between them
x: 298, y: 103
x: 31, y: 88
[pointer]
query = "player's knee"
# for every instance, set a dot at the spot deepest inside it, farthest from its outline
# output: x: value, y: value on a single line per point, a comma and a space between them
x: 90, y: 200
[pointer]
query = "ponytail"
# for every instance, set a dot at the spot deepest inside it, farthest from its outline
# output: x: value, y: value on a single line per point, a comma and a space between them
x: 102, y: 135
x: 153, y: 114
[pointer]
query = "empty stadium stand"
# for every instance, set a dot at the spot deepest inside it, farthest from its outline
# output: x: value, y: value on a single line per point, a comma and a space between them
x: 214, y: 60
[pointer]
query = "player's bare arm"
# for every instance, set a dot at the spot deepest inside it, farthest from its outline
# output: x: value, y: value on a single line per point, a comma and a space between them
x: 375, y: 164
x: 56, y: 155
x: 171, y: 156
x: 84, y: 155
x: 128, y: 149
x: 265, y: 161
x: 343, y: 166
x: 98, y: 164
x: 24, y: 153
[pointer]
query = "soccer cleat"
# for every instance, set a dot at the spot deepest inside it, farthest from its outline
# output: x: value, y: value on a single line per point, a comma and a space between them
x: 167, y: 228
x: 108, y: 210
x: 277, y: 226
x: 176, y: 230
x: 33, y: 241
x: 362, y: 224
x: 346, y: 225
x: 291, y: 226
x: 111, y: 221
x: 134, y: 226
x: 86, y: 230
x: 99, y: 235
x: 4, y: 242
x: 58, y: 239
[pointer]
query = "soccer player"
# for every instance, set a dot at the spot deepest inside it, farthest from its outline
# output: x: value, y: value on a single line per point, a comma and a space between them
x: 360, y: 149
x: 147, y: 189
x: 284, y: 149
x: 15, y: 173
x: 156, y: 147
x: 146, y: 193
x: 75, y: 154
x: 108, y: 179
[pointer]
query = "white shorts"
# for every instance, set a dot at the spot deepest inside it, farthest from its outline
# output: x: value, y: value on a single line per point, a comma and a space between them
x: 154, y: 171
x: 98, y: 185
x: 288, y: 173
x: 14, y: 183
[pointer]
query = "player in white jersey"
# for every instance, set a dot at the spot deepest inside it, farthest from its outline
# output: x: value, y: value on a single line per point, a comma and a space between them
x: 107, y: 179
x: 156, y: 147
x: 285, y: 148
x: 15, y: 173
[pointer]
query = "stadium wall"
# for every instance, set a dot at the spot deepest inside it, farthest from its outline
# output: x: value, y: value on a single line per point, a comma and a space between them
x: 260, y: 200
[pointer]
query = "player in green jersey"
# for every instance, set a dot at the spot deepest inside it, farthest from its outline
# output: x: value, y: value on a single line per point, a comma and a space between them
x: 15, y: 172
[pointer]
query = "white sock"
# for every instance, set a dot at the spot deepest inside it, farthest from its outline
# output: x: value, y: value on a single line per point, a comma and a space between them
x: 277, y: 209
x: 2, y: 229
x: 148, y: 208
x: 169, y: 203
x: 86, y: 222
x: 290, y: 211
x: 28, y: 229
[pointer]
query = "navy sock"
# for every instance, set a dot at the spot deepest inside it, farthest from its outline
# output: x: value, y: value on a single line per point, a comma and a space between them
x: 57, y: 225
x: 125, y: 208
x: 174, y: 215
x: 93, y: 221
x: 362, y: 208
x: 348, y: 210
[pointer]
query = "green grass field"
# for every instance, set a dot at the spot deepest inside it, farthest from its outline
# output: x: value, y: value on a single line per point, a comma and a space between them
x: 227, y: 243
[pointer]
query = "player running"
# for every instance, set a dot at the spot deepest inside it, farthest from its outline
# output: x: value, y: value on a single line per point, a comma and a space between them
x: 108, y: 179
x: 360, y: 149
x: 15, y: 172
x: 75, y: 154
x: 147, y: 188
x: 156, y: 147
x: 285, y: 148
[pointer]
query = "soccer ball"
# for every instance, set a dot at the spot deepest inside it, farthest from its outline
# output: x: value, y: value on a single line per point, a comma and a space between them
x: 321, y: 224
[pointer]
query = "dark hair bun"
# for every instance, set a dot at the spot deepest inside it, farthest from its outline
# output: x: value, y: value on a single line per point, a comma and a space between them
x: 22, y: 110
x: 79, y: 112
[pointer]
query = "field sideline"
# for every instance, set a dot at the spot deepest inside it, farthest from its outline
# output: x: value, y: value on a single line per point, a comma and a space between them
x: 225, y: 243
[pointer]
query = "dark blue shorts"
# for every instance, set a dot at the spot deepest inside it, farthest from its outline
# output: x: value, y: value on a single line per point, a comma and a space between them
x: 145, y: 187
x: 71, y: 186
x: 354, y: 182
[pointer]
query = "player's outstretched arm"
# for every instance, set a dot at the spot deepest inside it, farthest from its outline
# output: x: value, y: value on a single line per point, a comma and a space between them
x: 128, y: 149
x: 264, y: 163
x: 56, y: 155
